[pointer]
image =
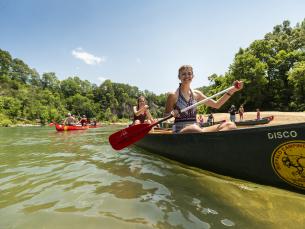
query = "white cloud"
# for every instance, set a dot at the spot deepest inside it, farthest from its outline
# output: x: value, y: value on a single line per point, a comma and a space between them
x: 101, y: 79
x: 88, y: 58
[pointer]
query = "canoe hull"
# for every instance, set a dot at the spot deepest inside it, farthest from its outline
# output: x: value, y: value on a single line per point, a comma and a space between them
x: 70, y: 128
x: 273, y: 155
x: 261, y: 121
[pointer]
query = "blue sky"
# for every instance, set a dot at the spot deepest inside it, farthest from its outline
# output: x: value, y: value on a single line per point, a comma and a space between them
x: 139, y: 42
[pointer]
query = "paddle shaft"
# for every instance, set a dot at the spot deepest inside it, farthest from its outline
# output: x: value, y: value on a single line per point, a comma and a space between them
x: 194, y: 105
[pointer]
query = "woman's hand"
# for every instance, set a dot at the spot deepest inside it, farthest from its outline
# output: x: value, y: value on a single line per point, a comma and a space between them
x: 235, y: 89
x: 175, y: 113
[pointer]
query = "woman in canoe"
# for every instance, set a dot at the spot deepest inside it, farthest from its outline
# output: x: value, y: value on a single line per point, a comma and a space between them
x: 184, y: 96
x: 141, y: 112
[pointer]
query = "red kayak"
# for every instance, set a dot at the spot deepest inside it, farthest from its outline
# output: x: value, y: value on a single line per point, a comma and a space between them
x: 68, y: 128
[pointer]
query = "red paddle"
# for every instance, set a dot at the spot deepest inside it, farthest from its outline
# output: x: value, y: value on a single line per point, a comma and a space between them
x: 123, y: 138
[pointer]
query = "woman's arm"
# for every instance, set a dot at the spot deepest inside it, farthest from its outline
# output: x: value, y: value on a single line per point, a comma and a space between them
x: 149, y: 116
x: 217, y: 104
x: 170, y: 103
x: 138, y: 112
x: 211, y: 102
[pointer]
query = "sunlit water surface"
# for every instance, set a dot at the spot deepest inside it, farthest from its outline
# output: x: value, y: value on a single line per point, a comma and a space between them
x: 76, y: 180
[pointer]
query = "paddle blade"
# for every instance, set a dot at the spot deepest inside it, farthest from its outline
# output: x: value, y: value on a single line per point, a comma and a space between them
x: 51, y: 124
x: 123, y: 138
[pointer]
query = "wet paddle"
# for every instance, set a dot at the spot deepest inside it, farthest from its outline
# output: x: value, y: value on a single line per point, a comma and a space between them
x: 123, y: 138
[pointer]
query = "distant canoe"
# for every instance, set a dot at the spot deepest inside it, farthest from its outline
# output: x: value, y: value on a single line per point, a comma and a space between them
x: 68, y: 128
x: 252, y: 122
x: 269, y: 155
x: 249, y: 122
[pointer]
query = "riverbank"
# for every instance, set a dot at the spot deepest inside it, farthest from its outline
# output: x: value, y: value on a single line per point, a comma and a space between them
x: 20, y: 125
x: 279, y: 117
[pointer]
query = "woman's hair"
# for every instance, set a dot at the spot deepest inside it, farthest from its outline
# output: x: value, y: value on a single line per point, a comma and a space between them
x: 138, y: 102
x: 184, y: 67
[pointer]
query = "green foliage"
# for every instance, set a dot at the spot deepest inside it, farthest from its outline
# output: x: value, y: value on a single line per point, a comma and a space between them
x: 81, y: 105
x: 265, y: 65
x: 50, y: 81
x: 296, y: 78
x: 5, y: 121
x: 10, y: 106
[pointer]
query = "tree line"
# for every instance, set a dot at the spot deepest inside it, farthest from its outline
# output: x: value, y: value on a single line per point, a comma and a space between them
x: 272, y: 68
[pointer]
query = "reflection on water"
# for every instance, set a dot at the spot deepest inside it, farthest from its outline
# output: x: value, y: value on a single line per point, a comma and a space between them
x: 75, y: 180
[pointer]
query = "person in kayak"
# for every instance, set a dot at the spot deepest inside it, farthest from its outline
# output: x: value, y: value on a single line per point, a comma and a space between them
x: 70, y: 120
x: 184, y: 96
x: 83, y: 120
x: 141, y: 112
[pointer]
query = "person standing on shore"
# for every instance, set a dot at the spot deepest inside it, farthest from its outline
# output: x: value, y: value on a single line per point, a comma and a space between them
x: 201, y: 120
x: 241, y: 112
x: 258, y: 114
x: 210, y: 119
x: 232, y: 112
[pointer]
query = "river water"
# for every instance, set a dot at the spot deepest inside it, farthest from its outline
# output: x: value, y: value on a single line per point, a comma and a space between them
x: 76, y: 180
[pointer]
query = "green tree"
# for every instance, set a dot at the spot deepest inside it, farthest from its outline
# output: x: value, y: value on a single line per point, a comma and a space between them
x: 50, y: 81
x: 20, y: 71
x: 5, y: 63
x: 252, y: 71
x: 10, y: 106
x: 296, y: 79
x: 70, y: 86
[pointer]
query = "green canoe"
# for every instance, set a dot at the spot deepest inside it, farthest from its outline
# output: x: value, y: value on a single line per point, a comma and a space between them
x: 249, y: 122
x: 252, y: 122
x: 269, y: 155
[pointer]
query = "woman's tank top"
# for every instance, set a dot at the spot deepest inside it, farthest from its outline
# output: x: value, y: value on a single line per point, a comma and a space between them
x: 140, y: 117
x: 190, y: 115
